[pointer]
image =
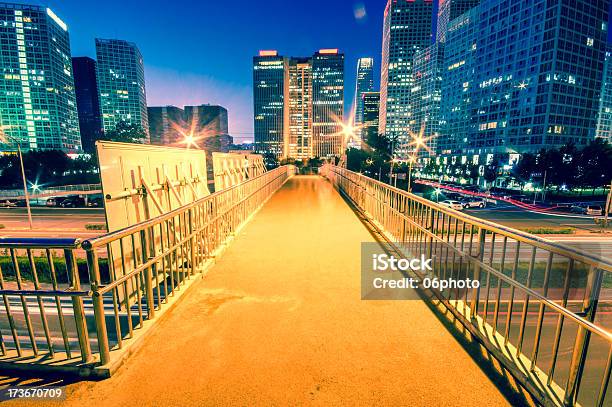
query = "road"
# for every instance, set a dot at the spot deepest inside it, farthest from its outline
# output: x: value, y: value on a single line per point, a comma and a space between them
x: 50, y: 222
x: 516, y: 217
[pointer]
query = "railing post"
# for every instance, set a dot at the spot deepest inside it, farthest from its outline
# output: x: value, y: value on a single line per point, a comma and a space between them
x: 77, y: 306
x: 146, y: 253
x: 583, y: 336
x: 430, y: 226
x: 476, y: 293
x: 98, y: 304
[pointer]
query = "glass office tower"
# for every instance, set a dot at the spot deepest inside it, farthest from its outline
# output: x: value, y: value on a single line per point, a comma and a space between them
x: 121, y: 84
x: 604, y: 117
x: 371, y: 104
x: 37, y: 101
x: 328, y: 103
x: 428, y: 67
x: 364, y: 83
x: 270, y: 88
x: 407, y: 27
x: 88, y: 104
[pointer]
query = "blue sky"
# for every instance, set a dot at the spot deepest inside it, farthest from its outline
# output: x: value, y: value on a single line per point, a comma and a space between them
x: 201, y: 51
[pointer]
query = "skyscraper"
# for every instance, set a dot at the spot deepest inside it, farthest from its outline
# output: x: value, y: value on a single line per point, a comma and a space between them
x: 604, y: 117
x: 448, y: 10
x: 270, y: 88
x: 364, y: 83
x: 407, y: 27
x: 37, y: 100
x: 299, y: 137
x: 121, y: 84
x: 537, y: 74
x: 371, y: 104
x: 299, y: 104
x: 328, y: 102
x: 428, y: 67
x: 88, y: 104
x: 457, y: 82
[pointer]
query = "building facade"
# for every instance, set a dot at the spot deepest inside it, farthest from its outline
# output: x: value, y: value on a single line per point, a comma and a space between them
x: 167, y: 126
x: 328, y: 103
x: 457, y: 82
x: 371, y: 105
x: 428, y: 67
x: 407, y: 27
x: 203, y: 126
x: 538, y: 73
x: 121, y: 84
x: 604, y: 117
x: 37, y: 100
x: 299, y: 107
x: 270, y: 88
x: 448, y: 10
x: 363, y: 83
x: 88, y: 104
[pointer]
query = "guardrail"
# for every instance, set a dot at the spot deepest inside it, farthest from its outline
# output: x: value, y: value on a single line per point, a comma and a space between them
x: 68, y: 303
x: 536, y: 307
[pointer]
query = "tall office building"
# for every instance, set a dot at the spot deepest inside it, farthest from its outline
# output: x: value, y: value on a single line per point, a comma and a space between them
x: 457, y: 83
x: 408, y: 26
x: 37, y: 102
x: 299, y: 107
x: 537, y: 75
x: 428, y: 67
x: 604, y: 117
x: 364, y: 83
x: 270, y: 88
x: 121, y: 84
x: 328, y: 103
x: 88, y: 104
x: 371, y: 104
x: 448, y: 10
x: 299, y: 104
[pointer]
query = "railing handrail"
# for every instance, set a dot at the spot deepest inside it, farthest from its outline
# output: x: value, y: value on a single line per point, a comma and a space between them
x: 540, y: 242
x: 39, y: 243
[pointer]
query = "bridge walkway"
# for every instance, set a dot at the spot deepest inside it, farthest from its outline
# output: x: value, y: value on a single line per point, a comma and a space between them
x: 279, y: 321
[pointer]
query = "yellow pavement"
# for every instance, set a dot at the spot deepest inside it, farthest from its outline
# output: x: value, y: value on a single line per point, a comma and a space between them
x: 279, y: 321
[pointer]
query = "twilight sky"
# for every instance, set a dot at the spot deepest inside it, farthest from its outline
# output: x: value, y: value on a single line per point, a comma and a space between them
x: 200, y: 51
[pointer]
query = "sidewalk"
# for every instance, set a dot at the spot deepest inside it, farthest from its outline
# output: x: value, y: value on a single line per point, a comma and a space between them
x: 279, y: 321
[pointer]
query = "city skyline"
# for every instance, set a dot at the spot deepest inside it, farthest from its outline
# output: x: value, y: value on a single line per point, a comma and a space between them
x: 221, y: 74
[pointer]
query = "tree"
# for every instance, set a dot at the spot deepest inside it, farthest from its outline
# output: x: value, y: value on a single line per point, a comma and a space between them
x: 472, y: 173
x: 126, y: 133
x: 491, y: 172
x: 526, y: 166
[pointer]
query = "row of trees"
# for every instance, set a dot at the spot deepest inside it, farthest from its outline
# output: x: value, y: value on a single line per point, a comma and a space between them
x: 53, y: 167
x: 568, y: 166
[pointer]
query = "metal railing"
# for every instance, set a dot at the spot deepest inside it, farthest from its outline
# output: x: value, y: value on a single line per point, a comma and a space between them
x: 536, y: 309
x: 70, y: 302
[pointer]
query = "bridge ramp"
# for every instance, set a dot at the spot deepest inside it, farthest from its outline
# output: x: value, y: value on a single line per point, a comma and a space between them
x: 279, y: 320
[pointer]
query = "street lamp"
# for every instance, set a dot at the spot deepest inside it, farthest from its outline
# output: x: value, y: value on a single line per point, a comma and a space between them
x: 23, y: 177
x: 418, y: 142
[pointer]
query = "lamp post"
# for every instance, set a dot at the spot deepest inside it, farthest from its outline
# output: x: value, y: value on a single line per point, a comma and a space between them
x: 23, y: 178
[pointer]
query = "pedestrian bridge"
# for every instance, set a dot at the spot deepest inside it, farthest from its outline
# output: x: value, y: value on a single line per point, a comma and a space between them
x: 253, y: 296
